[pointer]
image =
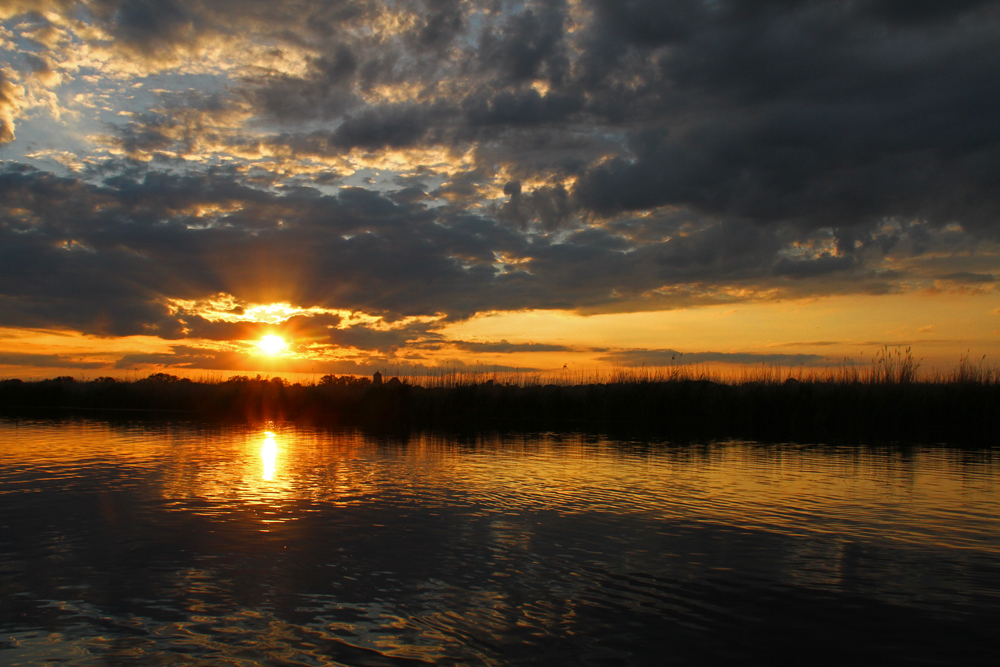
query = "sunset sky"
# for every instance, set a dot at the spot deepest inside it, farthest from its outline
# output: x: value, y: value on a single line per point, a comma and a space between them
x: 426, y: 184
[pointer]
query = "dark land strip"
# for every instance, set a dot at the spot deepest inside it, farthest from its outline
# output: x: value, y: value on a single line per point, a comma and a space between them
x: 966, y: 412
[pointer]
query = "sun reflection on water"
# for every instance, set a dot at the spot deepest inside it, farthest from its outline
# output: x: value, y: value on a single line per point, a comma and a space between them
x: 401, y: 550
x: 269, y: 456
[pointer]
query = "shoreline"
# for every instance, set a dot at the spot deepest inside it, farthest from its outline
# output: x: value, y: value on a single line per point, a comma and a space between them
x: 792, y: 410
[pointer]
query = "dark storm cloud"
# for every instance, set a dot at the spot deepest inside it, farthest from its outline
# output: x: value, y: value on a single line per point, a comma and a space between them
x: 385, y: 341
x: 809, y: 112
x: 194, y: 358
x: 384, y: 127
x: 813, y: 114
x: 527, y: 107
x: 813, y: 267
x: 968, y: 278
x: 550, y: 206
x: 650, y: 154
x: 917, y: 11
x: 528, y: 44
x: 108, y: 258
x: 324, y: 93
x: 443, y: 22
x: 504, y: 347
x: 151, y: 26
x: 675, y: 358
x: 45, y: 361
x: 111, y: 258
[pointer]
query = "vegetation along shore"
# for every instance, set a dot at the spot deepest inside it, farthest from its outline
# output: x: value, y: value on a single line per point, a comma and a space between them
x: 883, y: 401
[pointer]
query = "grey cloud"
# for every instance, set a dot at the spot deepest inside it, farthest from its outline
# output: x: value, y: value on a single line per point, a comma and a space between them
x: 803, y: 112
x: 549, y: 205
x: 384, y: 127
x: 966, y: 277
x: 666, y: 357
x: 814, y: 343
x: 326, y: 92
x: 290, y: 99
x: 151, y: 24
x: 528, y: 107
x: 909, y: 12
x: 106, y: 258
x: 504, y: 347
x: 303, y: 329
x: 46, y: 361
x: 704, y: 251
x: 465, y: 186
x: 154, y: 26
x: 443, y: 22
x: 409, y: 195
x: 795, y: 112
x: 194, y: 358
x: 338, y: 66
x: 649, y: 21
x: 812, y: 267
x: 527, y: 45
x: 703, y: 138
x: 378, y: 340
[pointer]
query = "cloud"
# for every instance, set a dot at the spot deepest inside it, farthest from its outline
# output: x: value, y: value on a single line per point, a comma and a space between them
x: 194, y: 358
x: 910, y: 13
x: 811, y: 267
x: 813, y: 343
x: 46, y: 361
x: 803, y: 112
x: 550, y: 206
x: 967, y: 278
x: 108, y: 258
x: 666, y: 357
x: 441, y: 158
x: 504, y: 347
x: 384, y: 127
x: 148, y: 25
x: 522, y: 108
x: 526, y: 45
x: 11, y: 98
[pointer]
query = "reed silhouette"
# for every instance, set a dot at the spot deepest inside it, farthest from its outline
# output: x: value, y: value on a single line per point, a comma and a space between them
x: 885, y: 400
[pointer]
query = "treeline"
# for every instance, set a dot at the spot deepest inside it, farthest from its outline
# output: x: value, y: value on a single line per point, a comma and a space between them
x: 962, y: 408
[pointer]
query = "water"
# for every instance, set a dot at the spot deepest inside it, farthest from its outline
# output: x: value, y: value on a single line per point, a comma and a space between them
x: 185, y: 545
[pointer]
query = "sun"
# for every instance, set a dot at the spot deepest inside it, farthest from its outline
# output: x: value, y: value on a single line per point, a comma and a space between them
x: 272, y: 345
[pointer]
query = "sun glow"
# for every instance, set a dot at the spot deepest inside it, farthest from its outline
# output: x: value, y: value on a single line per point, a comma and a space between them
x: 272, y: 345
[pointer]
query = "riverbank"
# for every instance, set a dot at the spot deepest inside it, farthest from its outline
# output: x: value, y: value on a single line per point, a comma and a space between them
x: 957, y: 408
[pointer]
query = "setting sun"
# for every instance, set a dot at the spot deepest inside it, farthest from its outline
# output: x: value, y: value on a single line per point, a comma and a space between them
x: 272, y: 345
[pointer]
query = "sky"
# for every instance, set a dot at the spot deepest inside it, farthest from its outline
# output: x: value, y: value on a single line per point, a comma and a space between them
x: 419, y: 185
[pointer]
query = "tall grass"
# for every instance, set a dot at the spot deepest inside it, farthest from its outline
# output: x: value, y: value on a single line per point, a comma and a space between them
x: 890, y: 365
x: 886, y: 399
x: 974, y: 372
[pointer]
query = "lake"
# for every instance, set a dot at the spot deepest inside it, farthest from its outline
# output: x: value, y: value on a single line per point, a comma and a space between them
x: 189, y: 544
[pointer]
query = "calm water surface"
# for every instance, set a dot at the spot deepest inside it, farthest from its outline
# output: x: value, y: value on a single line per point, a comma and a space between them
x: 277, y: 545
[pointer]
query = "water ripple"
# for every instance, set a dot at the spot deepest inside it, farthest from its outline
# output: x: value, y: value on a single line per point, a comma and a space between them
x: 186, y: 544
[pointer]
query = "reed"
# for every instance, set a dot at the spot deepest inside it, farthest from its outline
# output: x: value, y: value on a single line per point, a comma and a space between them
x: 887, y: 399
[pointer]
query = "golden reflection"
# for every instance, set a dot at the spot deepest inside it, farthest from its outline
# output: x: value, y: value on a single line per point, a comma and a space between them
x: 269, y: 456
x: 928, y: 496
